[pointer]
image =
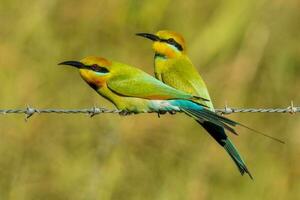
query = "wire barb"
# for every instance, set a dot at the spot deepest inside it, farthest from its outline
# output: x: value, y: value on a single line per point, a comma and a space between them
x: 30, y: 112
x: 292, y: 109
x: 95, y: 111
x: 227, y: 110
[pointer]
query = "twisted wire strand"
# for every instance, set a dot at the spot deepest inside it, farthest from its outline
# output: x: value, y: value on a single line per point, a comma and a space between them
x: 258, y: 110
x: 29, y: 111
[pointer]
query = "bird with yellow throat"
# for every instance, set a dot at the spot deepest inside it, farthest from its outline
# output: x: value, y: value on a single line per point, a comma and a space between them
x: 173, y: 67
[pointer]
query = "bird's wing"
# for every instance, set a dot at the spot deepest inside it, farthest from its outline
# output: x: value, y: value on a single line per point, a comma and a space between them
x: 189, y: 86
x: 184, y: 76
x: 144, y: 86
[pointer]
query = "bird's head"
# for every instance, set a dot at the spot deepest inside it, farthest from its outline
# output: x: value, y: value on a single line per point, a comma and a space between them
x: 166, y: 43
x: 94, y: 70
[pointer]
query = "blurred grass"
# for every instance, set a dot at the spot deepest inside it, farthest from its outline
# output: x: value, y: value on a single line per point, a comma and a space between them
x: 248, y: 52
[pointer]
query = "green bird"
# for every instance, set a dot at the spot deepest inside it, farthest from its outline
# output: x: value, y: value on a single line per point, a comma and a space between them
x: 135, y: 91
x: 173, y: 67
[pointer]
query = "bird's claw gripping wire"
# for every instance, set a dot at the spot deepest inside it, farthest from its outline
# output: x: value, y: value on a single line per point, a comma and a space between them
x: 163, y: 112
x: 172, y: 112
x: 125, y: 113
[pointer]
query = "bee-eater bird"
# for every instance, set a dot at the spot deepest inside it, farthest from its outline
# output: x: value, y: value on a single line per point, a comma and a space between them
x: 173, y: 67
x: 132, y: 90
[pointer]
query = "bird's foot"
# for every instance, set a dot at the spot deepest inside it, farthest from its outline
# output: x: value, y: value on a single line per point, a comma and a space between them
x: 125, y: 113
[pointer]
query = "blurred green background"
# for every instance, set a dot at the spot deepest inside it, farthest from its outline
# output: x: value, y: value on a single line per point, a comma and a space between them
x: 247, y: 51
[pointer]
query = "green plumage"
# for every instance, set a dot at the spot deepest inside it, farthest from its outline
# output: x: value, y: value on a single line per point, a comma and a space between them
x: 182, y: 75
x: 176, y: 70
x: 131, y: 79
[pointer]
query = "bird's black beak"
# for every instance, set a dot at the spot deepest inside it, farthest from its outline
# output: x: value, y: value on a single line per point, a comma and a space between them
x: 149, y: 36
x: 76, y: 64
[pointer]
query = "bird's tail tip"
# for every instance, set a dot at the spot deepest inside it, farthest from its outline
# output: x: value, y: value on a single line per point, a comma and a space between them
x: 231, y: 150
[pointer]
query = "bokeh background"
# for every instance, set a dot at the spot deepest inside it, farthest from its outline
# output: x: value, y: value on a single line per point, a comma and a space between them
x: 247, y: 51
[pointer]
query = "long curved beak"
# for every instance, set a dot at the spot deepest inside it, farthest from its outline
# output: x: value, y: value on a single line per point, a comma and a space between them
x: 149, y: 36
x: 76, y: 64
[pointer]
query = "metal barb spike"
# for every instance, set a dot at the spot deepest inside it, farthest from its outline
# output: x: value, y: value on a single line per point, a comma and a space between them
x: 29, y: 112
x: 94, y: 111
x: 227, y: 110
x: 292, y: 109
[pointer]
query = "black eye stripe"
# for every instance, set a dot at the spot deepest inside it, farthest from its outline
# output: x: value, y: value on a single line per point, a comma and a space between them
x: 98, y: 68
x: 171, y: 41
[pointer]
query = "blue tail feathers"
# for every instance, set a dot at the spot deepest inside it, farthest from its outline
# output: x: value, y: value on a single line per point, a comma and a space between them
x: 202, y: 114
x: 215, y: 125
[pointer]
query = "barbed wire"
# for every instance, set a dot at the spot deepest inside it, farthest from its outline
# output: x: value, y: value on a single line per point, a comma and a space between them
x: 30, y: 111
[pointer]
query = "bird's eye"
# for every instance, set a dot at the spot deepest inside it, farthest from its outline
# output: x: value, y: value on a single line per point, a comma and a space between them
x: 171, y: 40
x: 174, y: 43
x: 98, y: 68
